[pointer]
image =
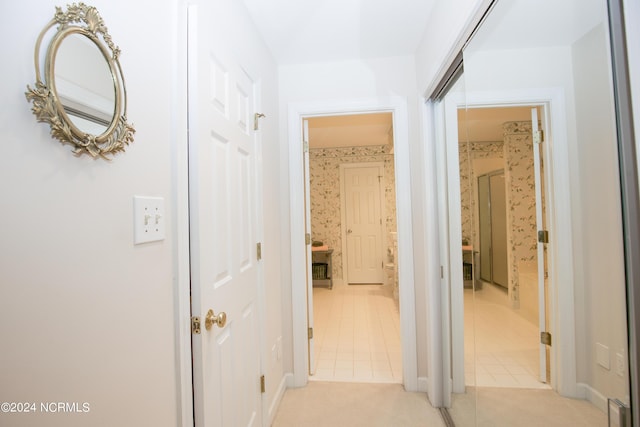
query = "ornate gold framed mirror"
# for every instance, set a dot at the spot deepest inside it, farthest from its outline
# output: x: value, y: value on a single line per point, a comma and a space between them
x: 83, y: 95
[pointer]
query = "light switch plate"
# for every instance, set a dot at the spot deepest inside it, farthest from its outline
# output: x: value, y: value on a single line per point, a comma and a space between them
x: 148, y: 219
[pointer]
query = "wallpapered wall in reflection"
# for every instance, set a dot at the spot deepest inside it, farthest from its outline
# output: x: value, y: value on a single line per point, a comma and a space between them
x: 521, y: 201
x: 324, y: 174
x: 517, y: 152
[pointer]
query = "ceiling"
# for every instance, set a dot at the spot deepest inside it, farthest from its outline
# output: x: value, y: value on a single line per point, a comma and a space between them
x: 351, y: 130
x: 474, y: 124
x: 306, y: 31
x: 485, y: 124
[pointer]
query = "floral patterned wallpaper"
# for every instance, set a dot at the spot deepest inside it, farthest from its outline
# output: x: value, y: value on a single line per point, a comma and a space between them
x: 324, y: 174
x: 517, y: 151
x: 521, y: 199
x: 468, y: 152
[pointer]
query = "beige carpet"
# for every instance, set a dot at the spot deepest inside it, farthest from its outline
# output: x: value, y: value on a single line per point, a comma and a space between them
x: 508, y: 407
x: 333, y: 404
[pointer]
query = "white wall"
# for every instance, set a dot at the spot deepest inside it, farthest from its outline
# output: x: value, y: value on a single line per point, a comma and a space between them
x: 448, y: 25
x: 358, y: 79
x: 86, y: 316
x: 602, y: 320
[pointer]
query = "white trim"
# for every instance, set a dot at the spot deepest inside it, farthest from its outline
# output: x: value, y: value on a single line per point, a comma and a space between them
x: 180, y: 222
x: 296, y: 112
x: 454, y: 255
x: 423, y: 385
x: 343, y: 215
x: 275, y: 402
x: 562, y: 322
x: 432, y: 243
x: 585, y: 391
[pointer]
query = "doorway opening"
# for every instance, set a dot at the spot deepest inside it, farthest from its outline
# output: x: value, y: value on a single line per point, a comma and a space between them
x: 354, y: 298
x: 302, y: 281
x: 502, y: 207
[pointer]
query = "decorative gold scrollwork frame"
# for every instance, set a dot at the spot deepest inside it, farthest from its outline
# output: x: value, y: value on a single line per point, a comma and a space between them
x: 47, y: 106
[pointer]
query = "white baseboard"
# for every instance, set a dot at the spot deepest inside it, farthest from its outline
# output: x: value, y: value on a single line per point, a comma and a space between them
x: 423, y: 384
x: 277, y: 398
x: 593, y: 396
x: 289, y: 380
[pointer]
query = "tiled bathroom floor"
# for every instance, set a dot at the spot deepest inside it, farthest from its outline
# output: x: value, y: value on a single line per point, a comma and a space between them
x: 356, y: 334
x: 503, y: 344
x: 357, y: 338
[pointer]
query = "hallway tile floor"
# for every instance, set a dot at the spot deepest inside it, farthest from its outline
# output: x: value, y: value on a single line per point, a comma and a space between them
x: 503, y: 345
x: 356, y: 334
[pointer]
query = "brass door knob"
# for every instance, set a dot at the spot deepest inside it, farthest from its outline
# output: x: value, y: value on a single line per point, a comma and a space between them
x: 220, y: 319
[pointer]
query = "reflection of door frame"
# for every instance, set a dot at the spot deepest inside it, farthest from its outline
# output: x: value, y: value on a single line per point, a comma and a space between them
x: 343, y: 221
x: 296, y: 113
x: 561, y: 322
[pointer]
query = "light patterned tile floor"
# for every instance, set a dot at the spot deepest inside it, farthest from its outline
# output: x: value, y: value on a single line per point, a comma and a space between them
x: 501, y: 347
x: 356, y: 334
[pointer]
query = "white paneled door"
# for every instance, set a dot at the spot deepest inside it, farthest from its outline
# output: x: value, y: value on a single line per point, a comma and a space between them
x: 363, y: 222
x: 223, y: 203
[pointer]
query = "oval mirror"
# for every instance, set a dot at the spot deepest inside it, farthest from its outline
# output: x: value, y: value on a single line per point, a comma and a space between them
x: 82, y: 95
x: 87, y: 93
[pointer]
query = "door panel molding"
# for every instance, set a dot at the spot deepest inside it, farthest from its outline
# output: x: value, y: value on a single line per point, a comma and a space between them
x: 343, y: 215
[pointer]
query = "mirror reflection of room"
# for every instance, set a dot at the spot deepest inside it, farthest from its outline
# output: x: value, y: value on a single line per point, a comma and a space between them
x: 88, y: 92
x: 498, y: 205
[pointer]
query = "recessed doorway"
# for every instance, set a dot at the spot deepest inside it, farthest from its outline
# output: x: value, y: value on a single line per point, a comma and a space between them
x: 352, y: 206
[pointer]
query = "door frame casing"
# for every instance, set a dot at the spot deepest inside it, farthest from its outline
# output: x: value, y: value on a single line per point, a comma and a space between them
x: 343, y: 218
x: 561, y: 253
x: 296, y: 113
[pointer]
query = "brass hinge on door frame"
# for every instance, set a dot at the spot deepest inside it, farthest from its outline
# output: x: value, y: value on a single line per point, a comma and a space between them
x: 263, y: 385
x: 545, y: 338
x: 307, y: 238
x: 310, y: 333
x: 538, y: 137
x: 195, y: 325
x: 543, y: 236
x: 259, y: 251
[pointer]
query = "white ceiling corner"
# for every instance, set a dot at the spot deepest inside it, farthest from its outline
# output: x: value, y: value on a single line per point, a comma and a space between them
x: 306, y: 31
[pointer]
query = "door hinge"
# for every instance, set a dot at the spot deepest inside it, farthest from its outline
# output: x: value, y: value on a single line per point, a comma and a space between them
x: 305, y: 146
x: 310, y: 333
x: 195, y: 325
x: 307, y: 238
x: 263, y: 386
x: 545, y: 338
x: 543, y: 236
x: 256, y: 118
x: 538, y: 137
x: 259, y: 251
